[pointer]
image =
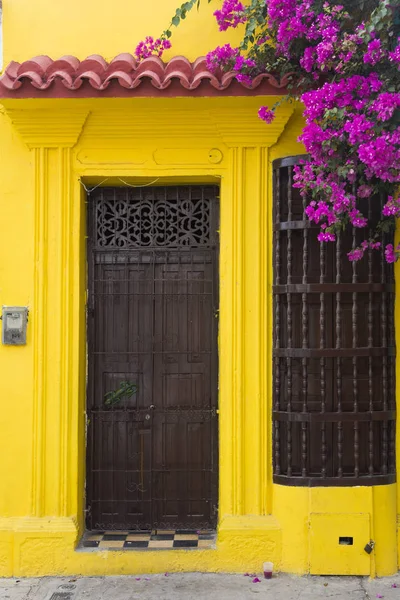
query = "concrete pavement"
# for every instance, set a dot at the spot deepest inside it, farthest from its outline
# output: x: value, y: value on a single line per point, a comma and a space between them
x: 183, y: 586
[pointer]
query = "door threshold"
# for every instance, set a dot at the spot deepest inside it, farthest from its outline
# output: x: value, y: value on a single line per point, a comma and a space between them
x: 172, y: 539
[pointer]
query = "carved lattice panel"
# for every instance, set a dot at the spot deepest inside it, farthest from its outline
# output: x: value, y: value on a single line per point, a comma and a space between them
x: 165, y: 217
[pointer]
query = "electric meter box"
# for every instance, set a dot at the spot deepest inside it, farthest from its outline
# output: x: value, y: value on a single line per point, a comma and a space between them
x: 14, y: 321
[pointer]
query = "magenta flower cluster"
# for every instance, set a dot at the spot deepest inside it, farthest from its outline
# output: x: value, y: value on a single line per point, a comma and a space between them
x: 392, y: 207
x: 231, y: 14
x: 395, y: 55
x: 266, y: 114
x: 392, y: 254
x: 228, y: 58
x: 151, y: 47
x: 346, y: 73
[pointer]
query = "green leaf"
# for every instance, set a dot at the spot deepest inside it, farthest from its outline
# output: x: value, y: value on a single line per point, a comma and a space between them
x: 175, y: 21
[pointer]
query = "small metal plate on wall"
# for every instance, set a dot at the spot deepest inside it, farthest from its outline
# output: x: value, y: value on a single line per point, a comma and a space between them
x: 14, y: 325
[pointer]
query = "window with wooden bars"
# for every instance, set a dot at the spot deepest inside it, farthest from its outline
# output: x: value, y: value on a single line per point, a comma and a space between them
x: 334, y: 350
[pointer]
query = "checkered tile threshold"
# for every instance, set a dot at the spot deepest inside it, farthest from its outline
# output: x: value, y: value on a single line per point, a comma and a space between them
x: 148, y: 540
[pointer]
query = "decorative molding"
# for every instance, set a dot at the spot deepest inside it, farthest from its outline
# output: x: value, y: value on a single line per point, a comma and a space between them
x: 50, y: 128
x: 44, y: 524
x: 245, y: 128
x: 187, y: 156
x: 238, y: 367
x: 113, y: 156
x: 150, y: 124
x: 245, y: 276
x: 65, y: 258
x: 52, y: 346
x: 232, y: 126
x: 39, y: 330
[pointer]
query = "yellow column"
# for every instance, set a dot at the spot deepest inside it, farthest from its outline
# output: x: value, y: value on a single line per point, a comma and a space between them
x: 245, y: 343
x: 50, y: 136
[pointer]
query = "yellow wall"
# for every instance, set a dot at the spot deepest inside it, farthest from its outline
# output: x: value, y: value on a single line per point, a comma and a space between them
x: 85, y: 27
x: 47, y: 148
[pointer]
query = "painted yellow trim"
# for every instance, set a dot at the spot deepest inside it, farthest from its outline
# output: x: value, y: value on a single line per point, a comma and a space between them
x: 171, y: 141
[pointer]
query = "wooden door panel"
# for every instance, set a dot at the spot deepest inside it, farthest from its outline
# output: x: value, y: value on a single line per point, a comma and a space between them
x: 183, y: 464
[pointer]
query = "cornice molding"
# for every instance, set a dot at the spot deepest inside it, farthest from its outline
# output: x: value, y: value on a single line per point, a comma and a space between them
x: 245, y: 128
x: 62, y: 127
x: 233, y: 126
x: 52, y: 128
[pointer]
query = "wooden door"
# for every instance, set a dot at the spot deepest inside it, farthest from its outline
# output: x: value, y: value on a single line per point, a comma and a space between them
x: 152, y: 342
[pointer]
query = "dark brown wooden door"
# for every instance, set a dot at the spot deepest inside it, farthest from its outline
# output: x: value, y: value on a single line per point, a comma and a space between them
x: 152, y: 344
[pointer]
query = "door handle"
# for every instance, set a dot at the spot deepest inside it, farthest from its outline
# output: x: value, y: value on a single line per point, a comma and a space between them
x: 148, y: 416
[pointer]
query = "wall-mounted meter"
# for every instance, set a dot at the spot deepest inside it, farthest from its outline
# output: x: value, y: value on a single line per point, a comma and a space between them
x: 15, y: 320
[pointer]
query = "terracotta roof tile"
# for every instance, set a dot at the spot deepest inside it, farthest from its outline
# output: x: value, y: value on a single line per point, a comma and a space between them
x: 124, y: 76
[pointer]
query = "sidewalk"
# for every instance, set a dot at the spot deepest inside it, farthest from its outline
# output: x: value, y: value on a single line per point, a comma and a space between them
x: 199, y: 587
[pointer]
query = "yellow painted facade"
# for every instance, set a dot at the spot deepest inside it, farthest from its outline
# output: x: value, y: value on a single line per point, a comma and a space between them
x: 48, y: 149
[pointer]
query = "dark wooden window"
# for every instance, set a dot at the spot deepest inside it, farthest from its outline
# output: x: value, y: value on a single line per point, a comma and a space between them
x: 334, y: 351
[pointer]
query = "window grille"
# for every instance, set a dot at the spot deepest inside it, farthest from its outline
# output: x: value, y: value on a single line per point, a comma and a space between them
x: 334, y: 350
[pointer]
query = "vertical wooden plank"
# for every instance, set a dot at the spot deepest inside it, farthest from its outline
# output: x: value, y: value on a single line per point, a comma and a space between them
x: 338, y: 359
x: 370, y: 344
x: 322, y: 360
x: 304, y: 322
x: 354, y: 315
x: 384, y: 340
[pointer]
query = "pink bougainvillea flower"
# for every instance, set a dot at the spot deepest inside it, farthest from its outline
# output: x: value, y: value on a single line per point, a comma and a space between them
x: 379, y: 596
x: 222, y: 57
x: 326, y: 236
x: 364, y: 191
x: 355, y: 255
x: 151, y: 47
x: 392, y: 207
x: 231, y: 14
x: 266, y: 114
x: 394, y: 585
x: 374, y: 53
x: 391, y: 253
x: 256, y: 580
x: 347, y: 79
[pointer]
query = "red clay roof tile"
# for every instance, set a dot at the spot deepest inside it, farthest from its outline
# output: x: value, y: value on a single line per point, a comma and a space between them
x: 124, y: 76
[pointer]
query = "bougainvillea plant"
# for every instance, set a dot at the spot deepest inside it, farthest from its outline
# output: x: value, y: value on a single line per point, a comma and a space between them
x: 343, y: 62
